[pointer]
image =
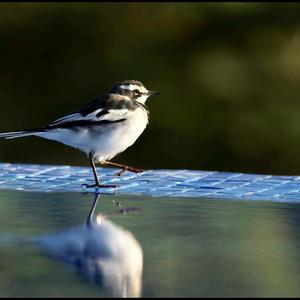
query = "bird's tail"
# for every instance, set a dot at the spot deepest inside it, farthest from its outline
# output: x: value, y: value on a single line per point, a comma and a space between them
x: 18, y: 134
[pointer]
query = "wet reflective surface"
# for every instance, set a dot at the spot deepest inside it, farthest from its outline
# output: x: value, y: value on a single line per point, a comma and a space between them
x: 69, y: 245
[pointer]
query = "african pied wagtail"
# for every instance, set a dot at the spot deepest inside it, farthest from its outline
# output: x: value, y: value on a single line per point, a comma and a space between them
x: 104, y: 127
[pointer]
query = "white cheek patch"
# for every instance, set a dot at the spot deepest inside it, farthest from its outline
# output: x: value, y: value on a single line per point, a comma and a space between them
x: 142, y: 99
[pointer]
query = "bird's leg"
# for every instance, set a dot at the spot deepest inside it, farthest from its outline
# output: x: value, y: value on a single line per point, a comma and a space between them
x: 97, y: 182
x: 89, y: 220
x: 124, y: 168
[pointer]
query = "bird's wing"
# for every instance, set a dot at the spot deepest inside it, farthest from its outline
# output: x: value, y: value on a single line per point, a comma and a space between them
x: 105, y: 109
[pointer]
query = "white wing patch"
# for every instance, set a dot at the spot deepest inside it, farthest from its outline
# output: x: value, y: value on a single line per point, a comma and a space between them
x: 68, y: 118
x: 109, y: 115
x: 115, y: 114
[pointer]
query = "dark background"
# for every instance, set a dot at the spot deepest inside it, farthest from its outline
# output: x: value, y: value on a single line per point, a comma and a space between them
x: 229, y: 74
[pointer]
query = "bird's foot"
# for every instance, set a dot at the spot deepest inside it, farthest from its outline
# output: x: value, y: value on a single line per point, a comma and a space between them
x: 126, y: 210
x: 99, y: 185
x: 130, y: 169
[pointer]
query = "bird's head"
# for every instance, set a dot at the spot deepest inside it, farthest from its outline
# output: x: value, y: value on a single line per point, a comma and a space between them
x: 133, y: 89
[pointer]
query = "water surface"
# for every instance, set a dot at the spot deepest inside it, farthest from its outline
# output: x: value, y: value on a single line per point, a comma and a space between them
x: 161, y: 247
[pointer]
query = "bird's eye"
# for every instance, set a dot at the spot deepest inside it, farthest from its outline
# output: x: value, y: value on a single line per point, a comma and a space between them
x: 136, y: 91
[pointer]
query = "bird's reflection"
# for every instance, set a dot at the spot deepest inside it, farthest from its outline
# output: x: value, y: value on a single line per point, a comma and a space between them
x: 102, y: 251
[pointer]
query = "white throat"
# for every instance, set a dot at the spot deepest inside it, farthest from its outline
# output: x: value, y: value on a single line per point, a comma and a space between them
x: 142, y: 99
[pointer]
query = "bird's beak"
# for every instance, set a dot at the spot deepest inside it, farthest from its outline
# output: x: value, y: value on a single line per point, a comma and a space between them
x: 154, y: 93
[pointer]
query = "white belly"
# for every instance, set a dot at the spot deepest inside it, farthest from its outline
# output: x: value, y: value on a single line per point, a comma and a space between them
x: 104, y: 141
x: 120, y: 136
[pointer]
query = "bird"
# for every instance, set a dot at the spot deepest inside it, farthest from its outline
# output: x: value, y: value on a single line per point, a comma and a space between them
x: 99, y: 250
x: 106, y: 126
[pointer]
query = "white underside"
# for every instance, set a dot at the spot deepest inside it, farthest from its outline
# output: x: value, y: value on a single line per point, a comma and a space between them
x: 107, y: 140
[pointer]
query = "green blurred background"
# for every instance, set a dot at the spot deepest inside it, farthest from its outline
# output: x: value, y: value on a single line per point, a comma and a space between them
x: 229, y: 74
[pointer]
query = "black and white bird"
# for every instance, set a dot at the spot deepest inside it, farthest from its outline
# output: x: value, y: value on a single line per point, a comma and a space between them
x: 106, y: 126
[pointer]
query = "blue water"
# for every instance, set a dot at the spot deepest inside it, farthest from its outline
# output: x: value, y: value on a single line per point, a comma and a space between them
x: 146, y: 247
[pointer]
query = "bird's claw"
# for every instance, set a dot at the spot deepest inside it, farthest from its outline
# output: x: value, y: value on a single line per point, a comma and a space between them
x: 130, y: 169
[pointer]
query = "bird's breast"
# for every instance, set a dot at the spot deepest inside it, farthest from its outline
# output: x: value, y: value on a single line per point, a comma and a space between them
x: 121, y: 135
x: 135, y: 124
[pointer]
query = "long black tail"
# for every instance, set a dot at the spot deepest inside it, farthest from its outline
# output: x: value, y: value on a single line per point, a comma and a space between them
x: 18, y: 134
